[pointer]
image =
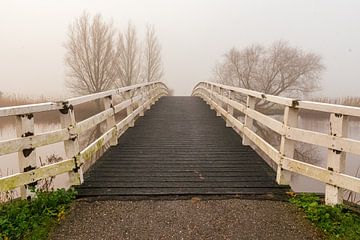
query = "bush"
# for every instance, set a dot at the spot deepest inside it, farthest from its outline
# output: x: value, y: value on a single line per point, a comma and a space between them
x: 33, y: 219
x: 337, y: 222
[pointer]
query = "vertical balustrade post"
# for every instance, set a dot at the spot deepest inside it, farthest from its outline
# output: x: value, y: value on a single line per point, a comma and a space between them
x: 67, y: 120
x: 156, y: 92
x: 148, y: 94
x: 230, y: 109
x: 211, y: 97
x: 107, y: 103
x: 249, y: 122
x: 26, y: 157
x: 142, y: 100
x: 218, y: 102
x: 287, y: 146
x: 130, y: 108
x: 336, y: 159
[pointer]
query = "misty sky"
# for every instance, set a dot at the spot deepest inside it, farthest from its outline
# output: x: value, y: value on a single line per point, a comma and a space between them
x: 194, y: 35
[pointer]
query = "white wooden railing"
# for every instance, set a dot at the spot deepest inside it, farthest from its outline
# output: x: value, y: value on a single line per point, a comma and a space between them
x: 135, y: 99
x: 221, y: 98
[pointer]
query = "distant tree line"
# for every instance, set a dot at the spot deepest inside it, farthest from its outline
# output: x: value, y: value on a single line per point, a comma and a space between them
x: 100, y: 57
x: 277, y: 70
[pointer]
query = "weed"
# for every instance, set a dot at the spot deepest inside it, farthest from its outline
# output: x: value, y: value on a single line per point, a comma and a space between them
x: 33, y: 219
x: 337, y: 222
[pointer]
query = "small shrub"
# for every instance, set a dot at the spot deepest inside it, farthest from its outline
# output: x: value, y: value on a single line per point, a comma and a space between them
x: 337, y: 222
x: 33, y: 219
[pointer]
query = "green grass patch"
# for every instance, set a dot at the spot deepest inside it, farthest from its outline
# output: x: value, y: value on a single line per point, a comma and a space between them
x: 337, y: 222
x: 33, y: 219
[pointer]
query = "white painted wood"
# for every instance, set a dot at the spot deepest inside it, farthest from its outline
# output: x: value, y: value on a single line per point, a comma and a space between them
x: 19, y: 179
x: 264, y: 146
x: 324, y: 140
x: 70, y: 131
x: 329, y: 108
x: 267, y: 121
x: 249, y: 122
x: 29, y: 108
x: 67, y: 120
x: 130, y: 108
x: 26, y: 156
x: 42, y: 139
x: 337, y: 179
x: 287, y: 146
x: 336, y: 159
x: 230, y: 108
x: 107, y: 104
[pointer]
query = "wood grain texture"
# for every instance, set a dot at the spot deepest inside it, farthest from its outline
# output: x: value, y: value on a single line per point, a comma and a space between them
x: 179, y: 147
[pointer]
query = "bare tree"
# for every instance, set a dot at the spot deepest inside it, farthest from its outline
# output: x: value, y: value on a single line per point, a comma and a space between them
x: 153, y: 70
x: 129, y: 57
x: 91, y: 55
x: 277, y: 70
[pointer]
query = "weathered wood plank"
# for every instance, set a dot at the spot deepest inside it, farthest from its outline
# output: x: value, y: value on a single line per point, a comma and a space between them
x: 180, y: 147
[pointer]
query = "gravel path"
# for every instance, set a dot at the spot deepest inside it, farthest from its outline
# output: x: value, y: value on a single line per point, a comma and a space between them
x: 185, y: 219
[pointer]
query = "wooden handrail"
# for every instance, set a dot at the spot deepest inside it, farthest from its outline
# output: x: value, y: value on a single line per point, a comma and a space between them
x: 25, y: 144
x: 217, y: 95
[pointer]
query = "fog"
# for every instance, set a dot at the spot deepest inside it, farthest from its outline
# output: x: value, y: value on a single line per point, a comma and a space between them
x: 193, y: 34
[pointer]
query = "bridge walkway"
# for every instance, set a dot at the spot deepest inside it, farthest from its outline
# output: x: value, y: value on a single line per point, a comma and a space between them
x: 180, y: 147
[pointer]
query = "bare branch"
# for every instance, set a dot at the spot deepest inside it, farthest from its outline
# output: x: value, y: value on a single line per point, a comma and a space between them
x: 91, y: 56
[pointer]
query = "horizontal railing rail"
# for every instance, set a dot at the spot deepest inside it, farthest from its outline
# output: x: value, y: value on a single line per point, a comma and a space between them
x: 222, y: 99
x: 135, y: 100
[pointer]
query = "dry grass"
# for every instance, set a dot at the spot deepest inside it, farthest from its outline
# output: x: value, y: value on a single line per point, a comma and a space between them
x: 348, y: 101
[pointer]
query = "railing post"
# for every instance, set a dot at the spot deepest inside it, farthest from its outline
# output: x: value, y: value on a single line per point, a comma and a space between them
x: 107, y: 103
x: 287, y: 146
x: 27, y: 157
x: 142, y: 100
x: 130, y: 108
x: 249, y: 122
x: 211, y: 96
x: 230, y: 109
x: 336, y: 159
x: 67, y: 120
x: 218, y: 102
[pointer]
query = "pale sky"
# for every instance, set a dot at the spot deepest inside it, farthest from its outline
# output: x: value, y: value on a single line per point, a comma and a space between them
x: 194, y: 35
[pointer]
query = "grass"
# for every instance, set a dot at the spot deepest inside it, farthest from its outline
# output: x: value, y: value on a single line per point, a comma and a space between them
x: 33, y: 219
x: 337, y: 222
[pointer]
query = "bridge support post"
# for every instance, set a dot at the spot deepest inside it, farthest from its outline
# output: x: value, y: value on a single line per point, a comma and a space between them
x: 149, y: 96
x: 249, y: 122
x: 106, y: 104
x: 142, y: 101
x: 336, y: 159
x: 27, y: 157
x: 211, y: 97
x: 230, y: 109
x: 130, y: 108
x: 67, y: 120
x: 287, y: 146
x: 218, y: 102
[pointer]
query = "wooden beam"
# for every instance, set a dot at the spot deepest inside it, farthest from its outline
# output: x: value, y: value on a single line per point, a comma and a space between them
x: 287, y: 146
x: 336, y: 159
x: 26, y: 156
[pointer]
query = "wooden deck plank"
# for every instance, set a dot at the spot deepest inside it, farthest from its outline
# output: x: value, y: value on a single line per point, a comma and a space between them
x: 179, y: 147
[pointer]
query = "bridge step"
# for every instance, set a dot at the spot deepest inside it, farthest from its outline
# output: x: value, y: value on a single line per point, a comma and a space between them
x: 179, y: 147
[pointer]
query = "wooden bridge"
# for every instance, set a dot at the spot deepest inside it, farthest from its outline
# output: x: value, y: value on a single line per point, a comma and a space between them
x: 180, y: 147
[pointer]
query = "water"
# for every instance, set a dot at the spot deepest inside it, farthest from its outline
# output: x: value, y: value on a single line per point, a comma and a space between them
x: 305, y: 184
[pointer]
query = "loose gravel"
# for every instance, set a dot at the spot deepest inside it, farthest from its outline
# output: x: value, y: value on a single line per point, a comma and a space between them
x: 185, y: 219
